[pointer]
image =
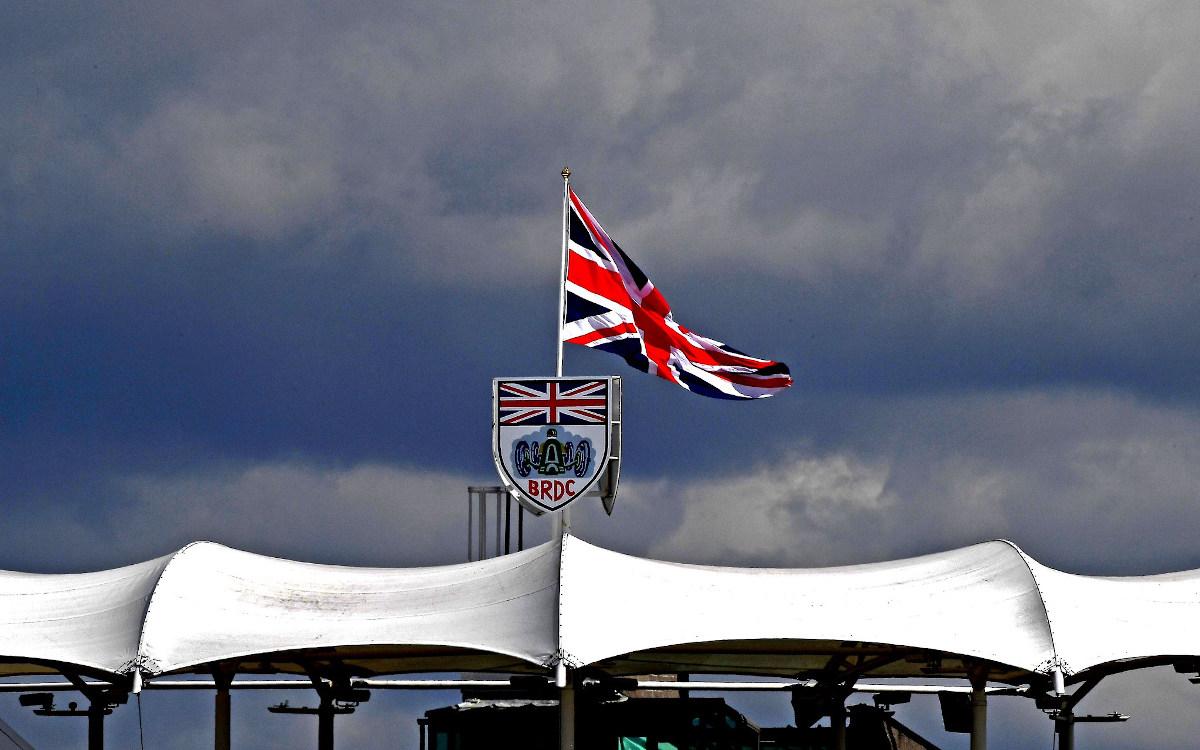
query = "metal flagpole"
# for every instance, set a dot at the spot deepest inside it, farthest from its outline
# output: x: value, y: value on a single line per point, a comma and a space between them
x: 562, y: 273
x: 562, y: 521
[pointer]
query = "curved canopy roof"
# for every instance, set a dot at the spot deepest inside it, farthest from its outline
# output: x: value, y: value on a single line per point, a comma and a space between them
x: 209, y: 604
x: 985, y: 606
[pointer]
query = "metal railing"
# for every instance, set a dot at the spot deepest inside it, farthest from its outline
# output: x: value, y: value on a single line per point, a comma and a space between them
x: 477, y: 522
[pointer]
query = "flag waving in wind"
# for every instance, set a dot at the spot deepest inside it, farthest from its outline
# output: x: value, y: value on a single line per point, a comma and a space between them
x: 611, y: 305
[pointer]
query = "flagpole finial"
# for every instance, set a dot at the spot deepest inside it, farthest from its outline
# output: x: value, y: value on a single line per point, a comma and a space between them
x: 566, y: 173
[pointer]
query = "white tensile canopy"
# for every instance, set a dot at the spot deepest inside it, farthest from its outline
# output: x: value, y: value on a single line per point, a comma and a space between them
x: 986, y: 606
x: 208, y: 604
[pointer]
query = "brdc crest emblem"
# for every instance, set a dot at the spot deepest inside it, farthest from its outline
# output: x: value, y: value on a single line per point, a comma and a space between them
x: 552, y: 438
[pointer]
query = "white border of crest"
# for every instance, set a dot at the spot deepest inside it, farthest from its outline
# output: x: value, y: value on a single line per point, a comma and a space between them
x: 509, y: 482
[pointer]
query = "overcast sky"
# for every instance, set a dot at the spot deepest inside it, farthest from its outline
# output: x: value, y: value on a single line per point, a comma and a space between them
x: 261, y: 262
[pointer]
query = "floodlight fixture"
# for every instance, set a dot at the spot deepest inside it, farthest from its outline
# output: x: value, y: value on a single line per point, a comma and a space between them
x: 1186, y: 665
x: 285, y: 708
x: 1103, y: 718
x: 44, y: 701
x: 351, y: 696
x: 890, y: 699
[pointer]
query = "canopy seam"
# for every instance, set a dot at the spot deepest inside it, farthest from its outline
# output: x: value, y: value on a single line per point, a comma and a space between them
x: 141, y: 661
x: 1055, y: 661
x: 560, y: 655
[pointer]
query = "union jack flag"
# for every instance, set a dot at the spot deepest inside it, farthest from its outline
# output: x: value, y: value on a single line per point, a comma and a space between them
x: 612, y: 305
x: 537, y: 402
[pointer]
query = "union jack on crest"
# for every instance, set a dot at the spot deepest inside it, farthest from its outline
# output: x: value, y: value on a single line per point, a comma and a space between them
x: 532, y: 402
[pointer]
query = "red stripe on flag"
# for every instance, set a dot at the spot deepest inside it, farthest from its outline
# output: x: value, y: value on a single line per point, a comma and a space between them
x: 599, y: 280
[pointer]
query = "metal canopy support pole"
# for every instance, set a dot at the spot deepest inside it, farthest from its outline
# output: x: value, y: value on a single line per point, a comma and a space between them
x: 98, y: 703
x: 1065, y: 726
x: 222, y: 705
x: 837, y: 721
x: 566, y: 717
x: 325, y: 723
x: 96, y: 724
x: 221, y: 715
x: 978, y: 715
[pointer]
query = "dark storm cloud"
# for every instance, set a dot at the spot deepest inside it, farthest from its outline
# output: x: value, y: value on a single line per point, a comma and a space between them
x: 246, y: 236
x: 1089, y: 482
x: 923, y: 199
